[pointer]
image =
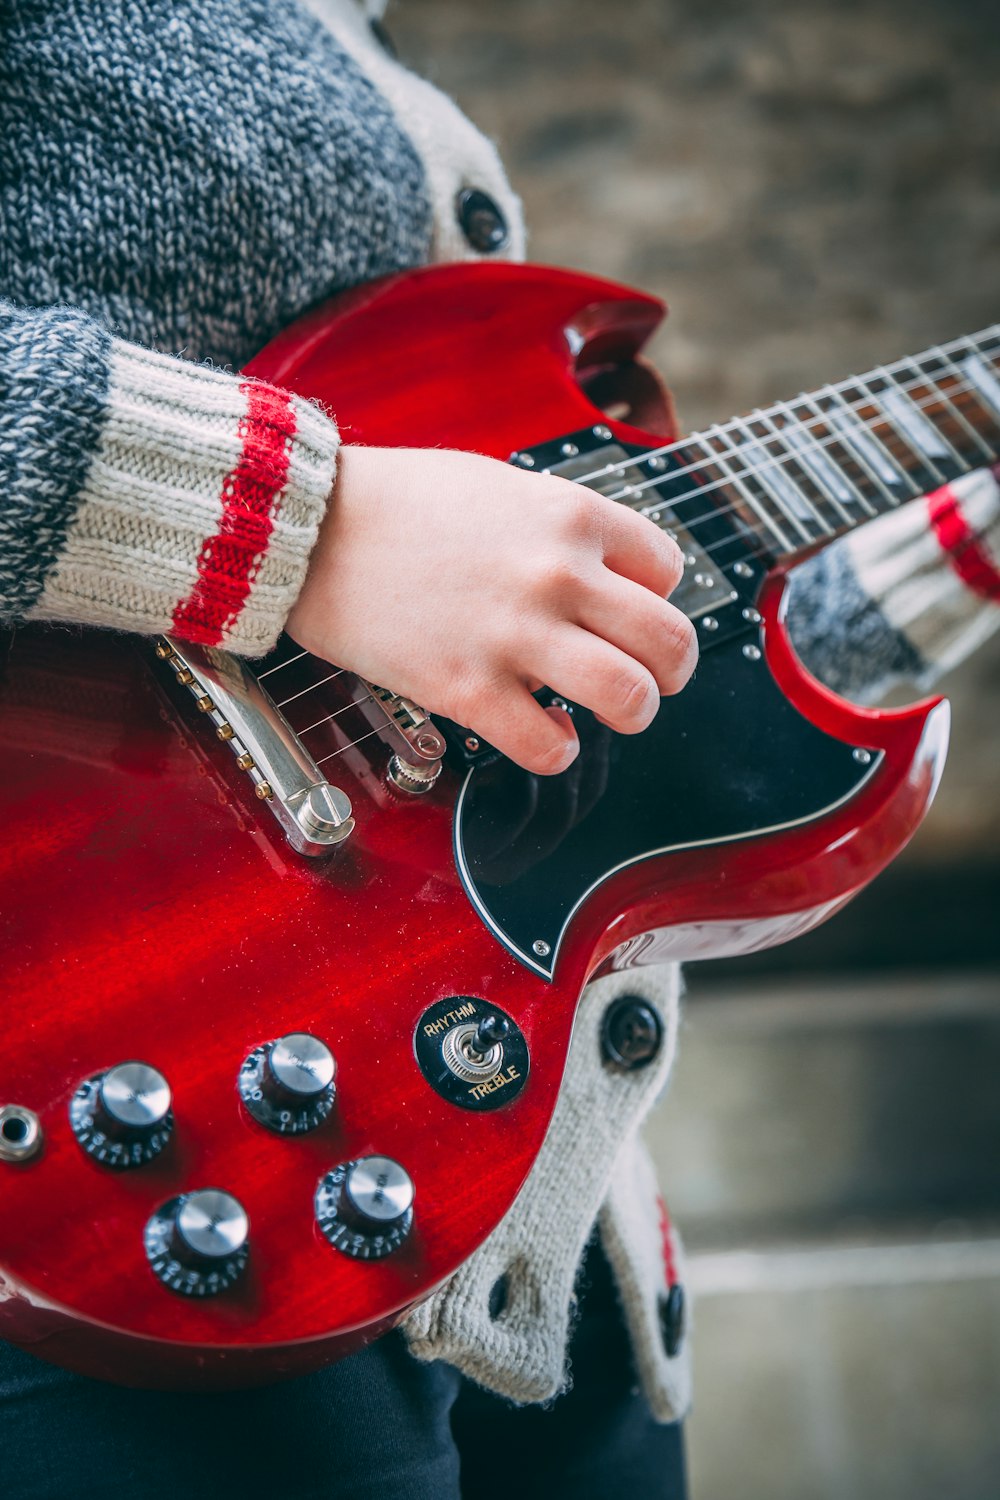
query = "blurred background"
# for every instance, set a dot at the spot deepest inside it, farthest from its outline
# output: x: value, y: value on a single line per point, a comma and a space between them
x: 814, y: 188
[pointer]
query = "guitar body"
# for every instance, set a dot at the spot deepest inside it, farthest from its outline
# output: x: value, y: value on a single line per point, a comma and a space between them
x: 150, y: 909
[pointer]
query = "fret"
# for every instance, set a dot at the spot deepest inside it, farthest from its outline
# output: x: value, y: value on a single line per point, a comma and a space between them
x: 925, y: 437
x: 828, y: 441
x: 871, y: 453
x: 982, y: 378
x: 771, y: 473
x: 773, y: 530
x: 798, y: 444
x: 946, y: 385
x: 894, y: 431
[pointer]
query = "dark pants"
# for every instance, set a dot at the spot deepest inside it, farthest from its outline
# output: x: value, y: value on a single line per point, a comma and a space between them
x: 377, y: 1426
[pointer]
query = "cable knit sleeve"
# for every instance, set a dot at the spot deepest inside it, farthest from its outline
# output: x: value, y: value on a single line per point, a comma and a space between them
x: 906, y: 597
x: 146, y: 493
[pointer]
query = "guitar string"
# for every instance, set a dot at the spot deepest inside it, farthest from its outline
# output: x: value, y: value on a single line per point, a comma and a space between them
x: 779, y: 460
x: 354, y: 703
x: 833, y: 388
x: 730, y: 475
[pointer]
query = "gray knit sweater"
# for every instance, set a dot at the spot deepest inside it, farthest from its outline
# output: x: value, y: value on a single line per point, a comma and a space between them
x: 181, y: 179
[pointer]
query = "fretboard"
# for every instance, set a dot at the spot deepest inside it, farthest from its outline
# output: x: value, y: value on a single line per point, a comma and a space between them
x: 803, y: 472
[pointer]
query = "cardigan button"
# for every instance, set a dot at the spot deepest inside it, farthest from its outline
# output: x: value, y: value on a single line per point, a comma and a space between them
x: 631, y: 1033
x: 481, y: 221
x: 672, y: 1320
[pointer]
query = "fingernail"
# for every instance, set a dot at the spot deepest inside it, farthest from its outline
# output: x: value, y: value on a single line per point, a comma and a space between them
x: 571, y: 748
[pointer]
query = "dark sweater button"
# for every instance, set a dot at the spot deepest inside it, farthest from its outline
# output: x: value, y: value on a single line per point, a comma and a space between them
x: 672, y: 1320
x: 483, y: 225
x: 632, y: 1033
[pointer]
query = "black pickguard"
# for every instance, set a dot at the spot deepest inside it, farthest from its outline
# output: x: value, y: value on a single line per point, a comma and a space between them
x: 727, y: 758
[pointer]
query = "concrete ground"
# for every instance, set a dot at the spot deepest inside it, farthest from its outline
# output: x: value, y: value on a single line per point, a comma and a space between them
x: 814, y: 188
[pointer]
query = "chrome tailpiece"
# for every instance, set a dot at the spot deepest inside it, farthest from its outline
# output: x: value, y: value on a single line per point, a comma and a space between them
x: 314, y: 815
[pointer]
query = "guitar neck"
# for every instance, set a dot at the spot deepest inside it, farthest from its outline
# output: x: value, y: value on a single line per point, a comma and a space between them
x: 803, y: 472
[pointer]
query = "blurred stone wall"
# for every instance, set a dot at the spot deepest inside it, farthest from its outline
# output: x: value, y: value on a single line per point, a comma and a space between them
x: 814, y: 188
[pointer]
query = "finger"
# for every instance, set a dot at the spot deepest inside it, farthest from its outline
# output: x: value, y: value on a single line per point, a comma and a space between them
x: 579, y: 665
x: 541, y: 740
x: 642, y: 625
x: 635, y: 547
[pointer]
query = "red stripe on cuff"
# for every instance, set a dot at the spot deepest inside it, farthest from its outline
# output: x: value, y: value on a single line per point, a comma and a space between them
x: 230, y: 560
x: 967, y: 555
x: 667, y: 1242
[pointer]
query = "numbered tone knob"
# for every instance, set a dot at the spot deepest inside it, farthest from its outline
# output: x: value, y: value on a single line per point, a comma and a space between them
x: 122, y: 1118
x: 288, y: 1085
x: 198, y: 1243
x: 365, y: 1207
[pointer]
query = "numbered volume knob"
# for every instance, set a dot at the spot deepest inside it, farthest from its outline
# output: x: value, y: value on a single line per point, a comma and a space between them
x: 198, y: 1243
x: 288, y: 1085
x: 365, y: 1207
x: 122, y: 1118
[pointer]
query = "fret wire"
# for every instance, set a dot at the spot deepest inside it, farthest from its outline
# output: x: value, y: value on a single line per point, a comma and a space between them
x: 957, y: 375
x: 901, y: 393
x: 826, y: 474
x: 774, y: 477
x: 858, y: 496
x: 945, y: 399
x: 766, y: 420
x: 858, y: 437
x: 354, y: 703
x: 720, y: 460
x: 310, y: 689
x: 886, y: 421
x: 987, y: 395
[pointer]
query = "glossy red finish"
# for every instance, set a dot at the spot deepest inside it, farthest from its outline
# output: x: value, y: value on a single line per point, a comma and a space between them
x: 150, y: 908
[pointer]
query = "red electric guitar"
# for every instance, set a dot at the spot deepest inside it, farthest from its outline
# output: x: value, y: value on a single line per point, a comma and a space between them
x: 290, y: 969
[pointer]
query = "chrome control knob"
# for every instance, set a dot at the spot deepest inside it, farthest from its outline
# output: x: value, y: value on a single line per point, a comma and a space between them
x: 122, y: 1118
x: 198, y: 1243
x: 365, y: 1207
x: 288, y: 1085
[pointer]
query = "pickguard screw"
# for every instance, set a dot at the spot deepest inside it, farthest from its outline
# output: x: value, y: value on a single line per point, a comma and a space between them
x: 743, y: 570
x: 657, y: 463
x: 471, y: 744
x: 569, y: 450
x: 753, y: 615
x: 709, y: 623
x: 525, y: 460
x: 752, y: 653
x: 602, y: 432
x: 541, y: 947
x: 863, y: 757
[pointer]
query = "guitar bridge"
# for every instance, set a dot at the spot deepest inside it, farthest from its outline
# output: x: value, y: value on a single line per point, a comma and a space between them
x: 287, y: 716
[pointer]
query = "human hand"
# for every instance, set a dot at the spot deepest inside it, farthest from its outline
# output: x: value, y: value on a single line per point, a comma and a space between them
x: 466, y: 584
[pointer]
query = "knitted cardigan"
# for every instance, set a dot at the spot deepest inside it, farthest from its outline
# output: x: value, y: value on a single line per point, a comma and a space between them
x: 177, y: 182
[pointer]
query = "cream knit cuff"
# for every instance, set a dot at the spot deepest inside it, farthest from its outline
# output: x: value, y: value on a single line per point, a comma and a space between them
x: 201, y: 506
